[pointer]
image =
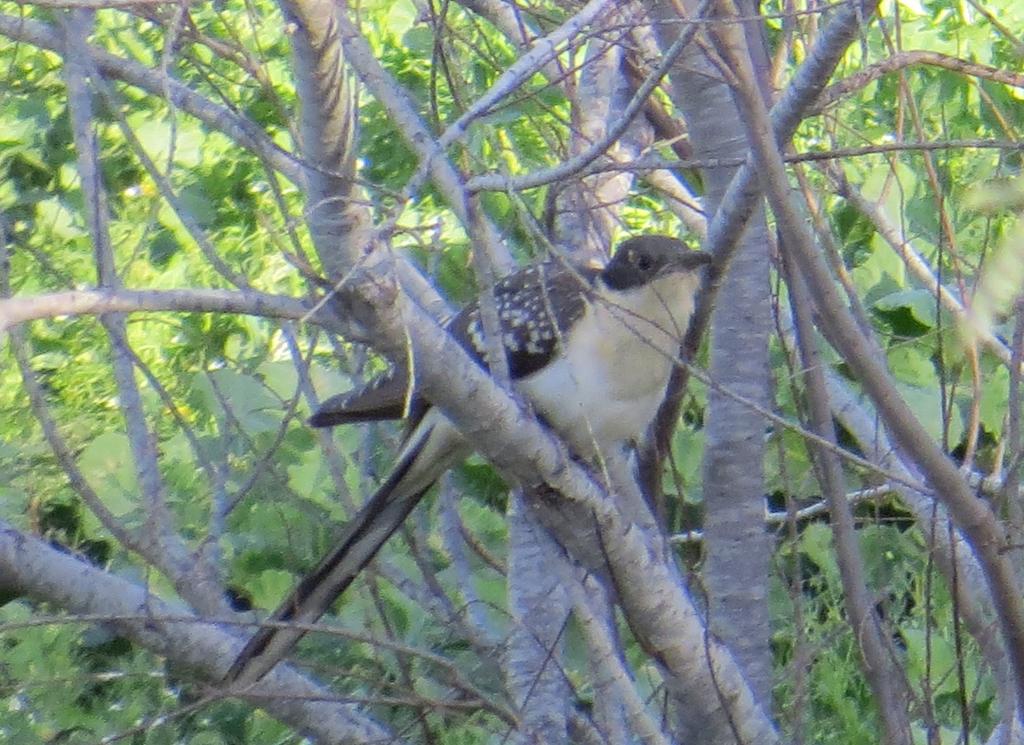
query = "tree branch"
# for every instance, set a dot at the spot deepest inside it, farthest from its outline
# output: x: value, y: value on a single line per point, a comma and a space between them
x: 973, y: 516
x: 44, y: 573
x: 18, y: 310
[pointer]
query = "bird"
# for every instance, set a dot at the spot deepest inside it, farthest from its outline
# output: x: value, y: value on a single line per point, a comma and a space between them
x: 590, y: 348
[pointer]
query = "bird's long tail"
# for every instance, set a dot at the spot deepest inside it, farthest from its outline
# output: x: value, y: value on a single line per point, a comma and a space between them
x: 428, y: 452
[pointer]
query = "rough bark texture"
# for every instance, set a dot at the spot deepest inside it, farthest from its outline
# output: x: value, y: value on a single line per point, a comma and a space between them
x: 737, y: 550
x: 539, y: 608
x: 327, y: 126
x: 193, y: 643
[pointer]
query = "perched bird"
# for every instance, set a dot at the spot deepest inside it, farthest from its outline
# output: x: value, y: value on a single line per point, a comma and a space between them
x: 590, y: 348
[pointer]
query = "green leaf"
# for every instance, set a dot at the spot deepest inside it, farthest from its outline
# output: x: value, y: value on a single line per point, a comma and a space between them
x: 995, y: 398
x: 816, y: 542
x: 401, y: 16
x: 305, y: 476
x: 688, y: 453
x: 419, y: 40
x: 106, y: 462
x: 280, y: 377
x: 926, y: 404
x: 59, y: 220
x: 920, y: 303
x: 207, y: 738
x: 923, y: 647
x: 249, y: 401
x: 157, y: 137
x: 270, y: 587
x: 912, y: 364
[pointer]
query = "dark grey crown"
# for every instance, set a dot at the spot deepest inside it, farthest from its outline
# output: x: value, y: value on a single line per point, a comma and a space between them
x: 644, y: 258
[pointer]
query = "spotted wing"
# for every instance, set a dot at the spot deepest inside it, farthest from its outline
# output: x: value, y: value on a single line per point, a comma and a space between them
x: 536, y: 306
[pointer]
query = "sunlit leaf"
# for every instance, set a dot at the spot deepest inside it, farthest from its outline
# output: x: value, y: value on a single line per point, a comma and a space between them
x: 108, y: 465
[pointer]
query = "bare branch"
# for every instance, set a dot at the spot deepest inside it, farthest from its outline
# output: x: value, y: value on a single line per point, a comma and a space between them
x: 595, y: 150
x: 972, y: 516
x: 18, y: 310
x: 433, y: 159
x: 542, y: 52
x: 741, y: 198
x: 903, y: 60
x: 45, y: 573
x: 610, y: 672
x: 195, y: 580
x: 336, y: 213
x: 97, y: 4
x: 915, y: 263
x: 886, y: 678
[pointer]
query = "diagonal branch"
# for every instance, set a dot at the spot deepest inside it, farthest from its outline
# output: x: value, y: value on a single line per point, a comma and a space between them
x: 18, y: 310
x: 741, y: 198
x: 972, y: 516
x: 889, y: 685
x: 195, y: 580
x: 45, y: 573
x: 578, y: 510
x: 910, y: 58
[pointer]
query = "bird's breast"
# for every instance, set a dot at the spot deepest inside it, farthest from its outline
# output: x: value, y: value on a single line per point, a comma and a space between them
x: 607, y: 385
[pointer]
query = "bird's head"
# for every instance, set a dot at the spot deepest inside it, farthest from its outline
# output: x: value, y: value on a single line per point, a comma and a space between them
x: 645, y: 259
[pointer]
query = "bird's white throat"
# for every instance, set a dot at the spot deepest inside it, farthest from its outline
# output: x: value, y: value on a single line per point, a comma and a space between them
x: 607, y: 386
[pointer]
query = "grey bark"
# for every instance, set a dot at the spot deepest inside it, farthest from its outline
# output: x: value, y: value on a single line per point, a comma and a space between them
x: 194, y: 643
x: 539, y: 607
x: 737, y: 550
x: 983, y: 532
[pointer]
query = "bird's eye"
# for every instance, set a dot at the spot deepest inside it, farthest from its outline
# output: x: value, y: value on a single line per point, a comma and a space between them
x: 643, y: 263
